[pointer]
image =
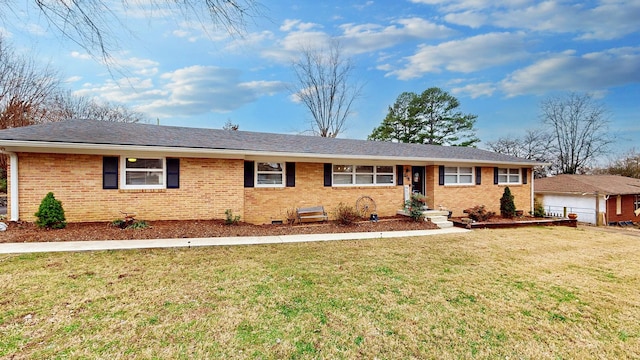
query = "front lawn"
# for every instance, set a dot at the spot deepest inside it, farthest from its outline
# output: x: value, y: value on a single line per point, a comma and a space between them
x: 535, y: 293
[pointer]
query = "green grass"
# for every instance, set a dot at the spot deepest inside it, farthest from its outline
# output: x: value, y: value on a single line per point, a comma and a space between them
x: 546, y: 293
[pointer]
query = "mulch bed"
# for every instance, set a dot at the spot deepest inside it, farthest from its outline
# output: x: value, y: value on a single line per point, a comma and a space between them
x: 497, y: 222
x: 29, y: 232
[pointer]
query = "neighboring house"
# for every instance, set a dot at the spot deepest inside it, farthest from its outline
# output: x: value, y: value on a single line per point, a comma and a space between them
x: 98, y: 169
x: 600, y: 199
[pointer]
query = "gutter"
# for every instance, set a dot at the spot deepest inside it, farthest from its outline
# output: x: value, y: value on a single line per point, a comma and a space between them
x: 13, y: 192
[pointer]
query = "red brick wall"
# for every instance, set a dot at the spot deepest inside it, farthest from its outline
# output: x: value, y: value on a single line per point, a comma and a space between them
x: 627, y: 207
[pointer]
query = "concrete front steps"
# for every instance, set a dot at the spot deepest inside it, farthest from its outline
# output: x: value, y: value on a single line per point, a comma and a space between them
x: 438, y: 217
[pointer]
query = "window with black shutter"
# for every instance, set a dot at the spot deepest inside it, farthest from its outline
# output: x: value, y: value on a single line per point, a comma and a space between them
x: 110, y: 172
x: 249, y: 167
x: 173, y: 173
x: 328, y: 168
x: 290, y: 169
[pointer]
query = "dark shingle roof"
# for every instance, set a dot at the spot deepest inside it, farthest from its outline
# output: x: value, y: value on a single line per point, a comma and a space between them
x: 580, y: 184
x: 130, y: 134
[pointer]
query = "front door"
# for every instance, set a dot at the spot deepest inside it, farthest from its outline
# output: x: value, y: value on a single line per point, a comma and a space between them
x: 417, y: 179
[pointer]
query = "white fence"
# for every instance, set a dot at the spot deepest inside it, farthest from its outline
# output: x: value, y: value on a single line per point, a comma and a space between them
x: 562, y: 211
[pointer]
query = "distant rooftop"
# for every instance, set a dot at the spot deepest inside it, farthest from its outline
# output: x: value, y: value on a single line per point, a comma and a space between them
x: 589, y: 184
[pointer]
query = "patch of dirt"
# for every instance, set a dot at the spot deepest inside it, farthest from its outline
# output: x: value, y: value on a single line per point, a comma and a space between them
x: 29, y: 232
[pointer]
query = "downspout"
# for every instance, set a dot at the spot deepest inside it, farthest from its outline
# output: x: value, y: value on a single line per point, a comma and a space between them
x: 13, y: 192
x: 532, y: 205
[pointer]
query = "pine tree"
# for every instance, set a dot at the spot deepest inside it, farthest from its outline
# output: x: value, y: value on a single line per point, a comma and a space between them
x: 50, y: 213
x: 507, y: 206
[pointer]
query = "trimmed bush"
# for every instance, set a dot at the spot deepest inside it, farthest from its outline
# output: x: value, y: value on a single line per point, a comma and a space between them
x: 415, y: 206
x: 479, y: 213
x: 507, y: 206
x: 50, y: 213
x: 345, y: 214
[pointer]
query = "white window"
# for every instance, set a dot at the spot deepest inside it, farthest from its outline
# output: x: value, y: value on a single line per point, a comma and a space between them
x: 619, y: 205
x: 270, y: 174
x: 143, y: 173
x: 462, y: 175
x: 363, y: 175
x: 508, y: 176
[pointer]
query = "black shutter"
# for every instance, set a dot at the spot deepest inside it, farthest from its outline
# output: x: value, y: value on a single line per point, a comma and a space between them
x: 495, y: 176
x: 290, y: 168
x: 399, y: 175
x: 249, y: 167
x: 328, y: 168
x: 110, y: 172
x: 173, y: 173
x: 441, y: 175
x: 524, y: 175
x: 478, y: 175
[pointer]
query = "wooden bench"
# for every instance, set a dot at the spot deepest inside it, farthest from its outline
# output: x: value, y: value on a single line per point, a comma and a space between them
x: 315, y: 213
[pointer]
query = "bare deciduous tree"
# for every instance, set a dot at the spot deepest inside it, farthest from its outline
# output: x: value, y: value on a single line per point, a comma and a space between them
x: 628, y: 164
x: 579, y: 128
x: 30, y: 94
x: 325, y: 85
x: 90, y: 23
x: 230, y: 126
x: 533, y: 145
x: 24, y: 88
x: 65, y: 105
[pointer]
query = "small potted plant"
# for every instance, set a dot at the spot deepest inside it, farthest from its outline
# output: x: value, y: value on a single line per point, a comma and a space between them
x: 572, y: 216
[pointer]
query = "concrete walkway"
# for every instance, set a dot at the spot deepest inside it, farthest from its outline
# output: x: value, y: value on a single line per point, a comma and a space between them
x: 18, y: 248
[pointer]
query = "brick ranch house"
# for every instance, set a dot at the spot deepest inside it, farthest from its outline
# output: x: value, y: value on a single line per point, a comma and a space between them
x: 596, y: 199
x: 98, y: 169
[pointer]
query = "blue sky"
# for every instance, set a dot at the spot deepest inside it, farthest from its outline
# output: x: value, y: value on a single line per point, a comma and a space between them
x: 499, y: 58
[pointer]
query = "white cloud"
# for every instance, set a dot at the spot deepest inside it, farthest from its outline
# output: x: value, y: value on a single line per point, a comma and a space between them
x: 354, y: 38
x: 35, y: 29
x: 72, y: 79
x: 194, y: 31
x: 467, y: 55
x: 471, y: 19
x: 288, y: 48
x: 200, y: 89
x: 362, y: 38
x: 185, y: 92
x: 602, y: 19
x: 121, y: 91
x: 297, y: 25
x: 81, y: 56
x: 134, y: 65
x: 463, y: 5
x: 4, y: 33
x: 475, y: 90
x: 569, y: 72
